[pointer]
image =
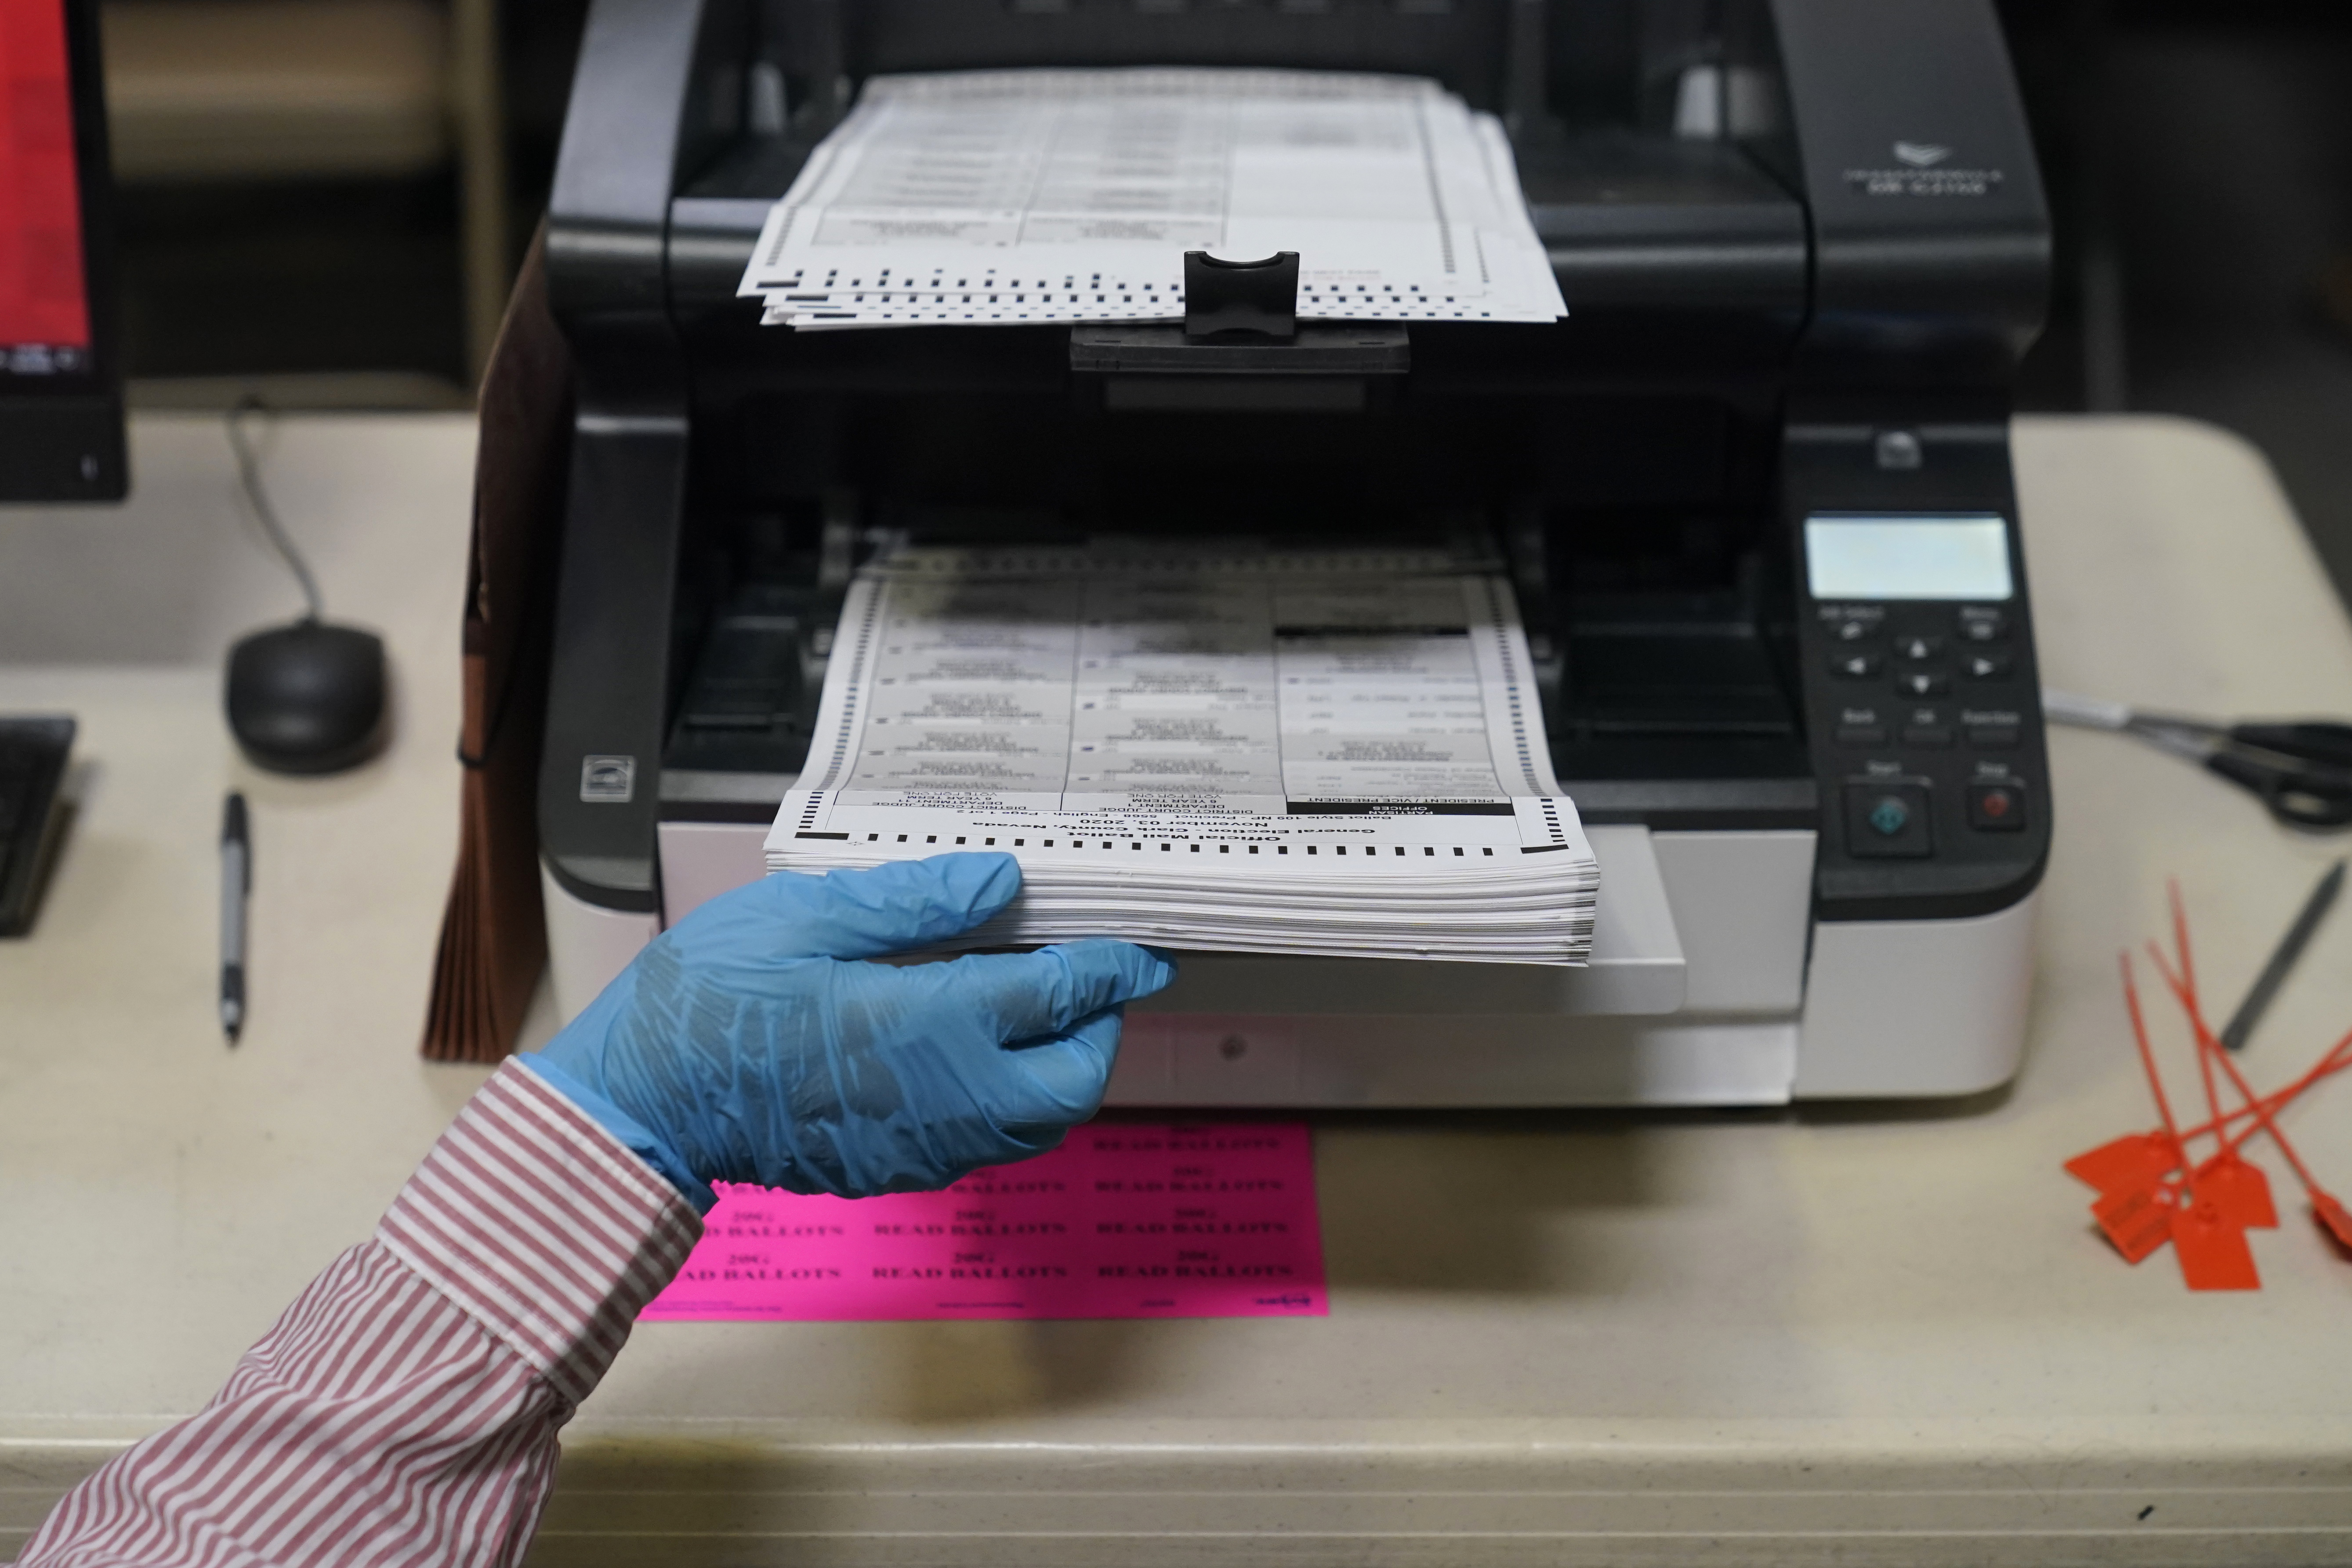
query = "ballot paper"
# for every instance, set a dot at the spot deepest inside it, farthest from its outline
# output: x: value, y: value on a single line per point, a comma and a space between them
x: 1072, y: 195
x: 1335, y: 751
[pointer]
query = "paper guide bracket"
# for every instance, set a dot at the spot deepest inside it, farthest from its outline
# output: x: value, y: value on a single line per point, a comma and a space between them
x: 1259, y: 298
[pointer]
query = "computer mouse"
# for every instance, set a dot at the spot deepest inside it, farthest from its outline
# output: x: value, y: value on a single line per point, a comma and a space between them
x: 307, y: 698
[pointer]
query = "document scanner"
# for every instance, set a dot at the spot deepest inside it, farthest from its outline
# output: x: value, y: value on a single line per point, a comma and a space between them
x: 1754, y: 490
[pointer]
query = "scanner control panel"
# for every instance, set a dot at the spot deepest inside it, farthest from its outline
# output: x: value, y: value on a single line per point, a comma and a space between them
x: 1927, y: 698
x: 1923, y: 706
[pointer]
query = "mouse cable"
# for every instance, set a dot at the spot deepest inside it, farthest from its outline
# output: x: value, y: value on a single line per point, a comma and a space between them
x: 249, y: 474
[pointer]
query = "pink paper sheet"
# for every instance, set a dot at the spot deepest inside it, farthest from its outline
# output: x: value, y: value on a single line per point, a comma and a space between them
x: 1123, y: 1220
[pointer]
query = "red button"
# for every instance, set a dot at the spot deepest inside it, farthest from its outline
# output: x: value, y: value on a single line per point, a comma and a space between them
x: 1997, y: 808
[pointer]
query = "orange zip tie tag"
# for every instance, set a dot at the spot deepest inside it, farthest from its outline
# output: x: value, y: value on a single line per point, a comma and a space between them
x: 2333, y: 1218
x: 2138, y: 1220
x: 2239, y: 1190
x: 2206, y: 1215
x: 2212, y: 1251
x: 2134, y: 1160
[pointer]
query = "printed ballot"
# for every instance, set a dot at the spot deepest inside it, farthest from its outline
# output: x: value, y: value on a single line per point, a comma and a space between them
x: 1072, y: 195
x: 1329, y: 752
x: 1123, y: 1220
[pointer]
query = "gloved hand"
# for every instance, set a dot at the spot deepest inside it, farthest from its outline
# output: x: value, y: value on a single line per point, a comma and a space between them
x: 747, y: 1044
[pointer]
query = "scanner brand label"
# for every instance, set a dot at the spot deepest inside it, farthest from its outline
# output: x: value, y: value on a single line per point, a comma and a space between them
x: 1918, y: 171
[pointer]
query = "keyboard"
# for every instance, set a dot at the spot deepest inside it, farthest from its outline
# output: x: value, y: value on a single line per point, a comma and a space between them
x: 32, y: 817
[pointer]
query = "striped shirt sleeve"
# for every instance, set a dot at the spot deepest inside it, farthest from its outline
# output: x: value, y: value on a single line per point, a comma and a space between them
x: 403, y: 1410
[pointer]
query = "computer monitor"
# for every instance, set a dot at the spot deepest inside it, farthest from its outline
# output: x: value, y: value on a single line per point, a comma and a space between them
x: 60, y: 379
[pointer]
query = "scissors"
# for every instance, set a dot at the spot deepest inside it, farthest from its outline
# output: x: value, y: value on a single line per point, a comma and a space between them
x: 2302, y: 770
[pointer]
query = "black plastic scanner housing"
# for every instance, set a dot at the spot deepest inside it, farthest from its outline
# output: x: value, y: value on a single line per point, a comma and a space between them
x: 1763, y: 287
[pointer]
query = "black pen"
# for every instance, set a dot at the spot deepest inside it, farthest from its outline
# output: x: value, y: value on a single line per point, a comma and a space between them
x: 236, y: 881
x: 2290, y: 948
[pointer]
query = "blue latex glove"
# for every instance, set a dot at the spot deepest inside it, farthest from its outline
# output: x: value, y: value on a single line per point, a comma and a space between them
x: 747, y: 1044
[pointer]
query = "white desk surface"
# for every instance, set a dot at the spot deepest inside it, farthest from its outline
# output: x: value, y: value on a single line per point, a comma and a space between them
x: 1850, y: 1335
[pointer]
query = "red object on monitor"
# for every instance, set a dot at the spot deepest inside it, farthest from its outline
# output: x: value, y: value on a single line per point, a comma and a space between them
x: 43, y: 305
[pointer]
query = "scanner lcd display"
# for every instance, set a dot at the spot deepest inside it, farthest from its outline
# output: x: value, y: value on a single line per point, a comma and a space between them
x: 1908, y: 557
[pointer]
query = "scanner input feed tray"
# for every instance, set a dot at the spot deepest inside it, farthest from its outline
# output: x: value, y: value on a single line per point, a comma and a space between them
x: 1333, y: 752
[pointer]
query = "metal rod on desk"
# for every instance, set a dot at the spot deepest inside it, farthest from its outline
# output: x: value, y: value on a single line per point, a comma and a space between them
x: 2283, y: 960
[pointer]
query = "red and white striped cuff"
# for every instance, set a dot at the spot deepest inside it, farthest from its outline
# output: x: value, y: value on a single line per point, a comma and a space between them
x: 542, y: 1226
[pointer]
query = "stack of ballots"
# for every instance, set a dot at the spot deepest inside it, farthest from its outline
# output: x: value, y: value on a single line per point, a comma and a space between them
x: 1323, y: 751
x: 1072, y: 195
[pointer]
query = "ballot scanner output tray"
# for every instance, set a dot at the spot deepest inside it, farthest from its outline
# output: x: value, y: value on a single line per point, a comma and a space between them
x: 1775, y: 322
